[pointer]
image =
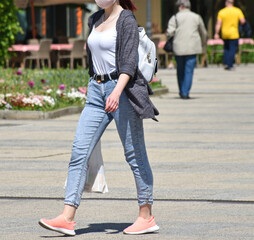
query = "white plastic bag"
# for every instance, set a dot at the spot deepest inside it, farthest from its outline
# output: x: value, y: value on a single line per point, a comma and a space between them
x: 95, y: 177
x: 95, y: 180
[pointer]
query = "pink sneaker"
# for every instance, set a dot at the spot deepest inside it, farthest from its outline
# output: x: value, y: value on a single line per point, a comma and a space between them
x: 142, y: 226
x: 59, y: 224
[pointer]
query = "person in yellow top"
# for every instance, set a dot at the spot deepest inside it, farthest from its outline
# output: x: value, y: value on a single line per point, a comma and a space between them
x: 228, y: 20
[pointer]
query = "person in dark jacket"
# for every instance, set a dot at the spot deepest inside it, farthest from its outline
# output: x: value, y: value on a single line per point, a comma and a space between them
x: 116, y: 90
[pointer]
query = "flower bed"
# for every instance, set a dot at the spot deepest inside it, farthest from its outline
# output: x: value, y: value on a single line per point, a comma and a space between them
x: 42, y: 90
x: 45, y: 90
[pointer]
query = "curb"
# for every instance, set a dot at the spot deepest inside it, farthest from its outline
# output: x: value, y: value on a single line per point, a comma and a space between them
x: 36, y: 115
x: 160, y: 91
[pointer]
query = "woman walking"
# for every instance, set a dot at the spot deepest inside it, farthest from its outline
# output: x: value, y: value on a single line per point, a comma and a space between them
x: 190, y: 36
x: 116, y: 90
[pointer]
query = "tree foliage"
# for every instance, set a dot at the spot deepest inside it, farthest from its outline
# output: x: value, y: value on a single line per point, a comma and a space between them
x: 9, y: 27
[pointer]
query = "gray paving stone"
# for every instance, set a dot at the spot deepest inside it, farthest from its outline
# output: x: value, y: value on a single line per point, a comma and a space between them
x: 201, y: 152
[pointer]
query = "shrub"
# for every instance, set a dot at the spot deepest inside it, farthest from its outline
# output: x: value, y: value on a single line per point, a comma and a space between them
x: 9, y: 27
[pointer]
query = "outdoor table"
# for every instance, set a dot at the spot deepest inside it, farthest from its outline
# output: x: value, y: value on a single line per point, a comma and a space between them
x: 21, y: 49
x: 220, y: 42
x: 213, y: 42
x: 241, y: 41
x: 28, y: 48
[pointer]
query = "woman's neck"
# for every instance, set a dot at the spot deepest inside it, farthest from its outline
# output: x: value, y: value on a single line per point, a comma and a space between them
x: 112, y: 11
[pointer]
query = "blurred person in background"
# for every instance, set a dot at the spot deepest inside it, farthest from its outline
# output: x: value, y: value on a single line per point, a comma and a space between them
x: 228, y: 20
x: 190, y: 38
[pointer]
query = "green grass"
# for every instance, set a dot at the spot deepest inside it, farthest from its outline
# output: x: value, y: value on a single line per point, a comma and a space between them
x: 156, y: 85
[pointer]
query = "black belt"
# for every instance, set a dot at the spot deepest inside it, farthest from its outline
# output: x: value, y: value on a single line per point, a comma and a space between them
x: 105, y: 77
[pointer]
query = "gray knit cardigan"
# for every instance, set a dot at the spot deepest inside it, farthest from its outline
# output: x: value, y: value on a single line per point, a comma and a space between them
x: 137, y: 89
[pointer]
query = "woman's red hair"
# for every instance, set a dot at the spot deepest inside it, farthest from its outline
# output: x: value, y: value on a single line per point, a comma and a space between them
x: 127, y: 4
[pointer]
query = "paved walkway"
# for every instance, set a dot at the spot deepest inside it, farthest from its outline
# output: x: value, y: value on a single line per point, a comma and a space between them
x: 201, y: 152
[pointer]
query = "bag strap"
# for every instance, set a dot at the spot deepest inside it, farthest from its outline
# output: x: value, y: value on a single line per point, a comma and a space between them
x: 176, y: 22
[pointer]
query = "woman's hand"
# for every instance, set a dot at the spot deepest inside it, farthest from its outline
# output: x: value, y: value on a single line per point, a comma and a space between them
x: 112, y: 101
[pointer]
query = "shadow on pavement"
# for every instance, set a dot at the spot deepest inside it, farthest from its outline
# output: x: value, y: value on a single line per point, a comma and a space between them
x: 109, y: 228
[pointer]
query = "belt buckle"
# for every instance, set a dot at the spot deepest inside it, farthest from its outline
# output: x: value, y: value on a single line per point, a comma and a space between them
x: 95, y: 78
x: 100, y: 80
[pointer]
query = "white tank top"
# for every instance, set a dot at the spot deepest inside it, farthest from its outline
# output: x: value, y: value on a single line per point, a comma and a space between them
x: 103, y: 48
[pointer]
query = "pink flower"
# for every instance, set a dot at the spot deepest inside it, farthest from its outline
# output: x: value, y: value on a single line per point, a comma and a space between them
x: 155, y: 80
x: 83, y: 89
x: 19, y: 72
x: 30, y: 84
x: 43, y: 81
x: 61, y: 87
x: 2, y: 80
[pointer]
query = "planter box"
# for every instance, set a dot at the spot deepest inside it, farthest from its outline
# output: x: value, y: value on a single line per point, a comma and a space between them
x: 14, y: 114
x: 33, y: 115
x: 160, y: 91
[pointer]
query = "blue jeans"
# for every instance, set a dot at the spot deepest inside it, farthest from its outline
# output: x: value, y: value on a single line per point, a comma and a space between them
x: 92, y: 123
x: 185, y: 70
x: 230, y: 49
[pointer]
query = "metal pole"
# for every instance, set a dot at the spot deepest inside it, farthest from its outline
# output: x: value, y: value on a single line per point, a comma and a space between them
x: 213, y: 17
x: 68, y: 21
x: 148, y: 18
x: 33, y: 18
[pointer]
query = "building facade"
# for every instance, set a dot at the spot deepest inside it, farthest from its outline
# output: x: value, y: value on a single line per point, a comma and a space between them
x: 70, y: 20
x: 162, y: 10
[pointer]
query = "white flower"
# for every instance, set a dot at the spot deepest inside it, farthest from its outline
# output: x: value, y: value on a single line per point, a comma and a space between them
x: 33, y: 101
x: 49, y: 90
x: 38, y: 100
x: 76, y: 94
x: 2, y: 102
x: 58, y: 91
x: 49, y: 100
